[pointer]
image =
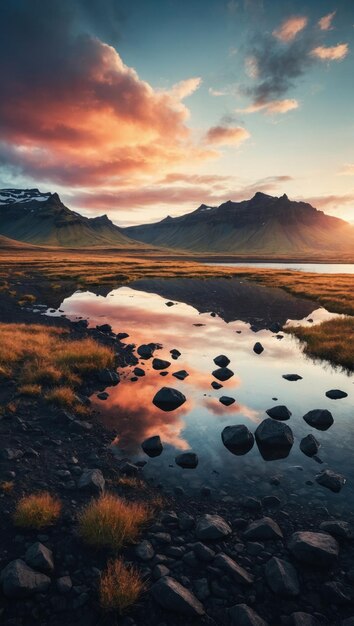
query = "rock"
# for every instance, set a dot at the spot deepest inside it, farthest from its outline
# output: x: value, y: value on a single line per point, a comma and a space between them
x: 108, y: 377
x: 336, y: 394
x: 319, y: 418
x: 238, y: 439
x: 144, y: 550
x: 216, y: 385
x: 292, y: 377
x: 160, y: 364
x: 172, y: 596
x: 122, y: 336
x: 138, y: 371
x: 303, y: 619
x: 317, y: 549
x: 275, y: 327
x: 64, y: 584
x: 40, y: 558
x: 185, y: 521
x: 252, y: 504
x: 103, y: 395
x: 226, y: 400
x: 18, y: 580
x: 223, y: 373
x: 104, y: 328
x: 168, y: 399
x: 201, y: 587
x: 169, y: 303
x: 203, y: 553
x: 92, y: 480
x: 221, y: 360
x: 152, y: 446
x: 11, y: 454
x: 181, y: 374
x: 129, y: 469
x: 338, y: 528
x: 270, y: 501
x: 264, y: 528
x: 243, y: 615
x: 145, y: 351
x: 337, y: 593
x: 282, y: 578
x: 187, y: 460
x: 279, y: 412
x: 233, y: 569
x: 331, y: 480
x: 309, y: 445
x: 175, y: 353
x: 274, y: 439
x: 212, y: 527
x: 258, y: 348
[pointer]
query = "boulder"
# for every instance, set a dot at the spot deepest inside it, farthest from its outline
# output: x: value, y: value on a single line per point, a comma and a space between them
x: 238, y: 439
x: 92, y: 480
x: 303, y: 619
x: 264, y: 528
x: 202, y: 552
x: 226, y: 400
x: 282, y: 578
x: 108, y: 377
x: 168, y: 399
x: 160, y: 364
x: 138, y: 371
x: 292, y: 377
x: 319, y: 418
x: 331, y: 480
x: 258, y: 348
x: 104, y: 328
x: 181, y: 374
x: 243, y: 615
x: 103, y: 395
x: 336, y: 394
x: 212, y: 527
x: 146, y: 350
x: 216, y: 385
x: 275, y: 327
x: 187, y: 460
x: 223, y: 373
x: 18, y: 580
x: 172, y: 596
x: 152, y: 446
x: 317, y: 549
x: 64, y: 584
x: 233, y: 569
x: 279, y: 412
x: 40, y: 558
x: 309, y: 445
x: 144, y: 550
x: 274, y: 439
x: 221, y: 360
x: 338, y: 528
x: 175, y: 353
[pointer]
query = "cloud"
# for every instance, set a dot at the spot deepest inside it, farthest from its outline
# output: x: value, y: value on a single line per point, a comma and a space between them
x: 272, y: 108
x: 226, y: 135
x: 185, y: 88
x: 332, y: 201
x: 325, y: 23
x: 331, y: 53
x: 347, y: 170
x: 290, y: 28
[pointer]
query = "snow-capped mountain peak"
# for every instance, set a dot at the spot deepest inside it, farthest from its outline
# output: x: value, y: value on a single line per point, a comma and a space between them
x: 21, y: 196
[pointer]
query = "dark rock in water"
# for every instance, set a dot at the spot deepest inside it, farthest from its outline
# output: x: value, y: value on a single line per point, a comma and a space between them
x: 138, y: 371
x: 303, y: 619
x: 216, y: 385
x: 292, y: 377
x: 221, y: 360
x: 40, y: 558
x: 164, y: 373
x: 331, y: 480
x: 279, y: 412
x: 175, y: 353
x: 258, y: 348
x: 243, y: 615
x: 271, y: 502
x: 181, y: 374
x: 275, y: 327
x: 226, y: 400
x: 252, y: 504
x: 233, y: 569
x: 92, y: 480
x: 338, y: 528
x: 319, y: 418
x: 171, y: 595
x: 187, y: 460
x: 146, y: 350
x: 237, y: 439
x: 309, y: 445
x: 212, y: 527
x: 168, y: 399
x: 274, y: 439
x: 264, y: 528
x: 282, y: 578
x: 104, y: 328
x: 122, y: 336
x: 160, y: 364
x: 152, y: 446
x: 108, y: 377
x: 18, y: 580
x: 103, y: 395
x: 336, y: 394
x: 223, y: 373
x: 169, y: 303
x: 316, y: 549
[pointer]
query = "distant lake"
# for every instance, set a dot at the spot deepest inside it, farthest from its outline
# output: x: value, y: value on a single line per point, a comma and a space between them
x: 321, y: 268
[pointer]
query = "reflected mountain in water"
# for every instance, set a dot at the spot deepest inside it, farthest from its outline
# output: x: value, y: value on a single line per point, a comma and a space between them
x: 232, y: 299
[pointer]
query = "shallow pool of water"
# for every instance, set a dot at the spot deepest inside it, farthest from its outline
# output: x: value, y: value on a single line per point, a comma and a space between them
x: 322, y: 268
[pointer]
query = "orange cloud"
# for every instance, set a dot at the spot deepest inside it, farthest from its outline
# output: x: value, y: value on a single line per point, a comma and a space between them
x: 290, y: 28
x: 273, y: 107
x: 226, y: 135
x: 331, y: 53
x: 325, y: 23
x: 347, y: 169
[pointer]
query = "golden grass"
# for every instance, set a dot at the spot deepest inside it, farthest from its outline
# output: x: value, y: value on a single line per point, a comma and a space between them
x: 120, y: 586
x: 7, y: 486
x: 332, y: 340
x: 62, y: 396
x: 30, y: 390
x: 130, y: 482
x: 37, y: 510
x: 112, y: 522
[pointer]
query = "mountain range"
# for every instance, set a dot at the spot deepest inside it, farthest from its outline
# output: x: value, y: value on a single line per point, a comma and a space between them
x: 264, y: 225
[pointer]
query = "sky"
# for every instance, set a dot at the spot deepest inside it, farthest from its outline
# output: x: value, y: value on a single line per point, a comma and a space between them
x: 141, y: 109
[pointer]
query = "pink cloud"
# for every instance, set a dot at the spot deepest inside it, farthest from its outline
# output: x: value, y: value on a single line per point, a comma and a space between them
x: 331, y: 53
x: 290, y: 28
x: 226, y: 135
x: 273, y: 107
x: 325, y: 23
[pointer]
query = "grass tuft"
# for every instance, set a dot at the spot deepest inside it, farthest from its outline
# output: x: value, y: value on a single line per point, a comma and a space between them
x: 112, y: 522
x: 62, y: 396
x: 37, y: 510
x: 30, y: 390
x: 7, y: 486
x: 120, y: 586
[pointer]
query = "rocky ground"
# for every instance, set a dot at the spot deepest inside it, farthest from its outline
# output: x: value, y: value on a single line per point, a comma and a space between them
x: 208, y: 560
